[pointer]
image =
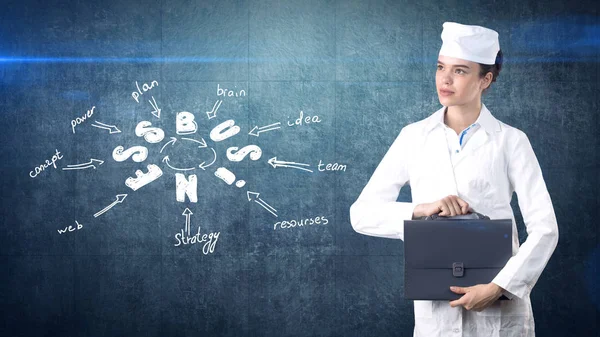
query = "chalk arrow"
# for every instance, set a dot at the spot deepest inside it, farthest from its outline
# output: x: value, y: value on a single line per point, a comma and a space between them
x: 266, y: 128
x: 187, y: 213
x: 277, y: 163
x: 172, y: 141
x: 202, y: 142
x: 156, y: 111
x: 202, y: 166
x: 253, y: 196
x: 213, y: 113
x: 111, y: 128
x: 120, y: 198
x: 92, y: 163
x: 166, y: 161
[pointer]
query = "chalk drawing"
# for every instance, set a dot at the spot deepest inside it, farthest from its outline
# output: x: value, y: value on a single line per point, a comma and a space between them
x: 278, y: 163
x: 92, y: 163
x: 119, y: 199
x: 265, y: 128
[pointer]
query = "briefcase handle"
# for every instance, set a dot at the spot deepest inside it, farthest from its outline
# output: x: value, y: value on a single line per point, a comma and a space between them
x: 473, y: 215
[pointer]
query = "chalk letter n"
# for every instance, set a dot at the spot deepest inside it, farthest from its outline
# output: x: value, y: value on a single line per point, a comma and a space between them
x: 185, y: 186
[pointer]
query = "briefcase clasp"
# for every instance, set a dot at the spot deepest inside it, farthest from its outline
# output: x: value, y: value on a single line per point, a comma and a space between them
x: 458, y: 269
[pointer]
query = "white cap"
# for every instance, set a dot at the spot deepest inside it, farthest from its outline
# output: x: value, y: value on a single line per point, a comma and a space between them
x: 473, y: 43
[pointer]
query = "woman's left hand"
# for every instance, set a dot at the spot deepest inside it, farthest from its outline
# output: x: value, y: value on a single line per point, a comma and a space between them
x: 477, y: 297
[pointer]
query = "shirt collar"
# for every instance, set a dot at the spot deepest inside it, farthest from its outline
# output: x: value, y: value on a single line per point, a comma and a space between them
x: 485, y: 120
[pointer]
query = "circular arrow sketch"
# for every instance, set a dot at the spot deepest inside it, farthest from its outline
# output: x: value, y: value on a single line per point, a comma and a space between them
x: 201, y: 144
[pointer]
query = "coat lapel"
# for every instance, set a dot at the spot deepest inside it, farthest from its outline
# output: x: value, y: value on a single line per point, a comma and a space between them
x: 477, y: 140
x: 437, y: 147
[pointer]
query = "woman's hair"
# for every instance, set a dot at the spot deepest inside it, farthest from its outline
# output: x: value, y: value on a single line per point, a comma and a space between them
x: 493, y: 68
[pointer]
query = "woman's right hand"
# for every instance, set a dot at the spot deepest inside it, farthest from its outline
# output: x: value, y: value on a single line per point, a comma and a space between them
x: 449, y: 206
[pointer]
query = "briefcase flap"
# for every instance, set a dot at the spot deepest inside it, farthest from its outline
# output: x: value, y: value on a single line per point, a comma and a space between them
x: 474, y: 243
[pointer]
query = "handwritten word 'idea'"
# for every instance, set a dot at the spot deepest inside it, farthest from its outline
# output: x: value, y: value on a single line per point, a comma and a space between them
x: 301, y: 223
x: 42, y: 167
x: 304, y: 120
x: 209, y: 246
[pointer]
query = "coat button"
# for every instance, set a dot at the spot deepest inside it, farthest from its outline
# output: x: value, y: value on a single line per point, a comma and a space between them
x: 456, y: 330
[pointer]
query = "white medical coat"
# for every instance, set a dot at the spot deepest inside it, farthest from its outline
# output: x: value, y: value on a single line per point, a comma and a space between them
x: 496, y: 161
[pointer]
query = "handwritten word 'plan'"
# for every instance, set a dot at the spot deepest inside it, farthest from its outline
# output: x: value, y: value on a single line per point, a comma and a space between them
x: 136, y: 94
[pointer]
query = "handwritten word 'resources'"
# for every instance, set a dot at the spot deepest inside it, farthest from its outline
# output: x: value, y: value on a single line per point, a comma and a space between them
x: 49, y: 162
x: 320, y: 220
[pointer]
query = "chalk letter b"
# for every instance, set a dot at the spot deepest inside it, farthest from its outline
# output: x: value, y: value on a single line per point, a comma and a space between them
x: 185, y: 123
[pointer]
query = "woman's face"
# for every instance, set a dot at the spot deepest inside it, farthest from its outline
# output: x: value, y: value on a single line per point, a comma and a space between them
x: 459, y: 76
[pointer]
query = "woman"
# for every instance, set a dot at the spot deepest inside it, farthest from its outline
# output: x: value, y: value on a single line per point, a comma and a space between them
x: 462, y: 159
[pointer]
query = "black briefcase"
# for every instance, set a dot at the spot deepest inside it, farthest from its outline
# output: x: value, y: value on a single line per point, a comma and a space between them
x: 462, y: 251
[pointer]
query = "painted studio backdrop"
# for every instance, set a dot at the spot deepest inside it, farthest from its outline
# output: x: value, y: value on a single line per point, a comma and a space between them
x: 176, y: 168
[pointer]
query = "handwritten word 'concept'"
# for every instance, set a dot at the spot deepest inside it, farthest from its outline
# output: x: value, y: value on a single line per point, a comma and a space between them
x: 210, y: 239
x: 231, y: 93
x: 145, y: 87
x: 301, y: 223
x: 42, y: 167
x: 79, y: 120
x: 70, y: 228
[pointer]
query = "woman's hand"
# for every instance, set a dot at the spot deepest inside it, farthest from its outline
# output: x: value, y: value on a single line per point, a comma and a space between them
x: 449, y: 206
x: 477, y: 297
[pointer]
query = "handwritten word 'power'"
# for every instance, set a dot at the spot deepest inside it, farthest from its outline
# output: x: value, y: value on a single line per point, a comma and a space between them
x: 42, y: 167
x: 300, y: 223
x: 209, y: 246
x: 79, y: 120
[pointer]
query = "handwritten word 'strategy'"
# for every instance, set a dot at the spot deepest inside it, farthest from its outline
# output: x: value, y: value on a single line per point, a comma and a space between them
x: 209, y: 239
